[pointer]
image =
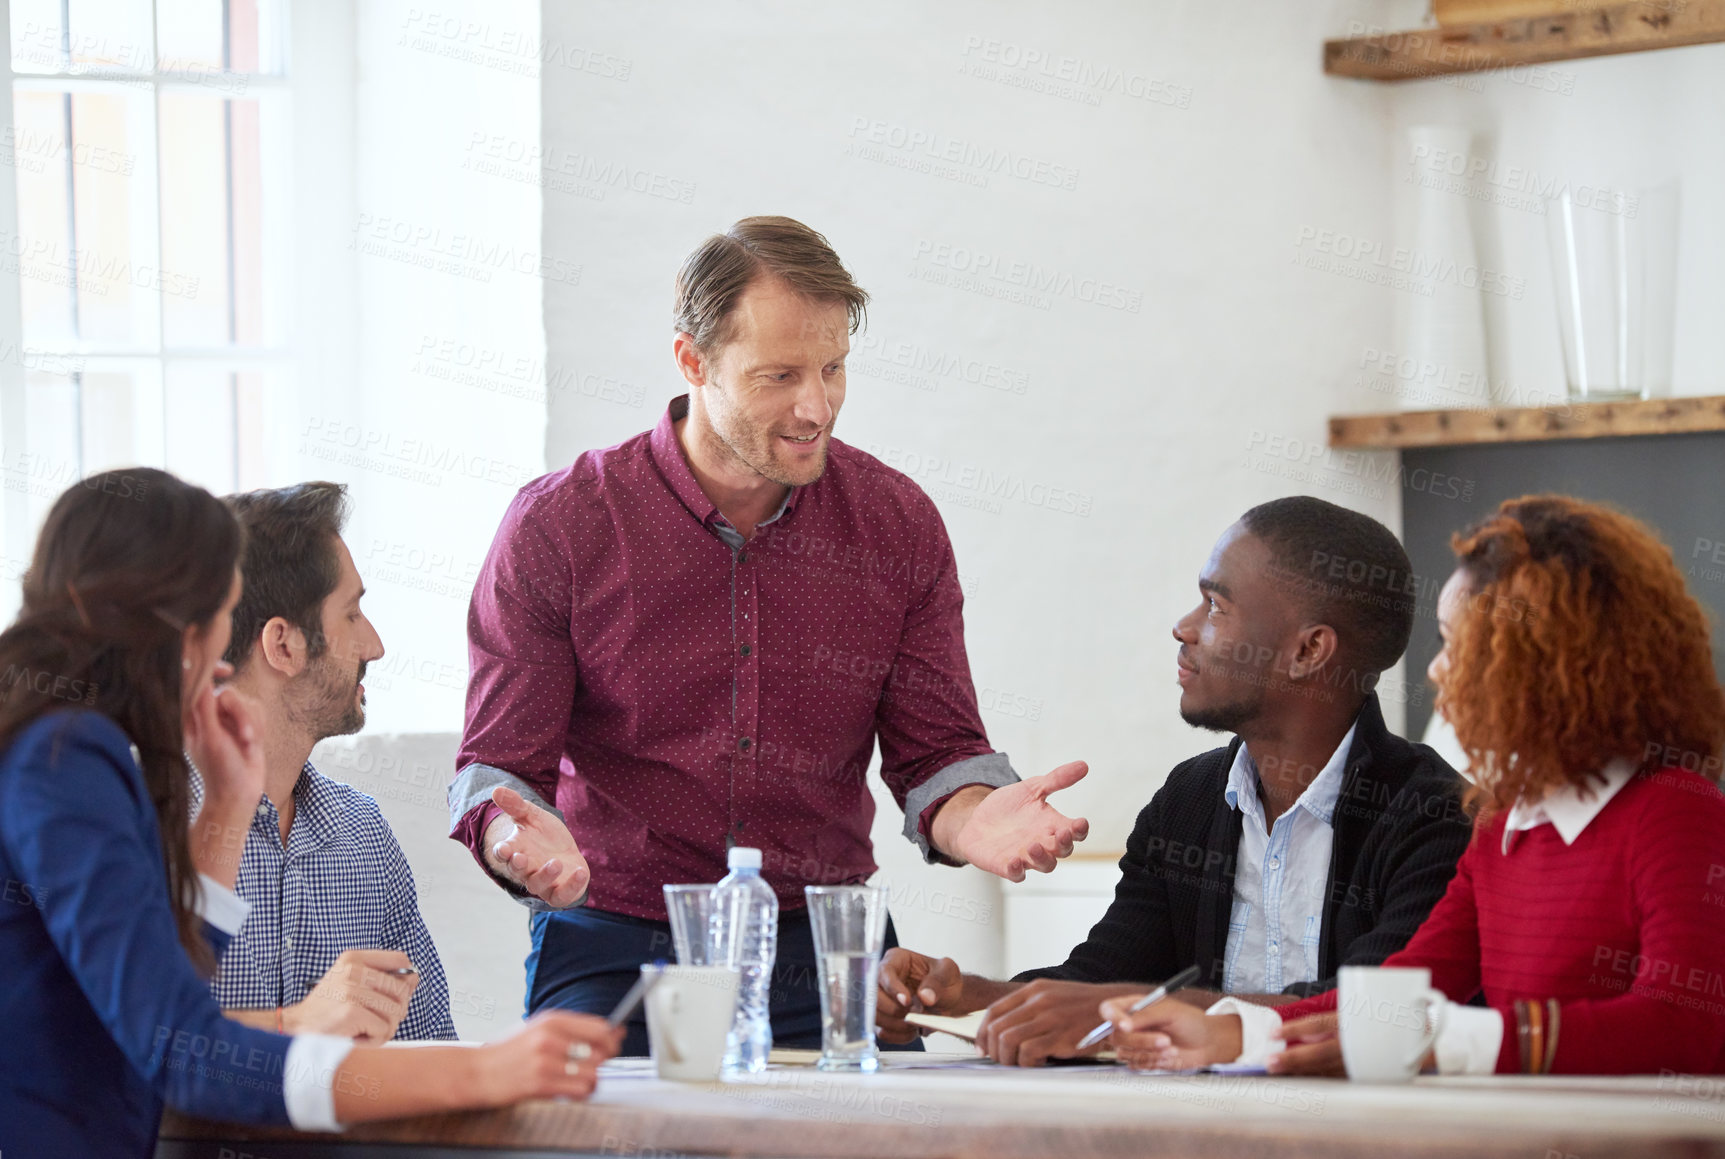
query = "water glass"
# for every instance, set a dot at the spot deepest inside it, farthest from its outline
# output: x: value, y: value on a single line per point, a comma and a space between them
x: 692, y: 927
x: 1614, y: 266
x: 849, y: 926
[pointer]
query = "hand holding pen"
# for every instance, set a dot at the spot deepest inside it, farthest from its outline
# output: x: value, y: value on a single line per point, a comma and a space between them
x: 1178, y: 982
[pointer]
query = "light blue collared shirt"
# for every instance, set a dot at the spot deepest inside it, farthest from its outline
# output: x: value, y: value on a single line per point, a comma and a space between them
x: 1279, y: 879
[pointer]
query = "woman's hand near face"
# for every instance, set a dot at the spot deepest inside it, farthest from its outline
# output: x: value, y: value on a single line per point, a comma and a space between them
x: 221, y: 737
x: 221, y: 734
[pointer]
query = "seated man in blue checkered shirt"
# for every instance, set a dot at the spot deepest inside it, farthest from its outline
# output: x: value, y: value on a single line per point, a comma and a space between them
x: 333, y: 942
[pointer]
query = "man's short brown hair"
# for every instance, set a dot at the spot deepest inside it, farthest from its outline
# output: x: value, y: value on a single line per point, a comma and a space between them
x: 290, y: 565
x: 717, y: 273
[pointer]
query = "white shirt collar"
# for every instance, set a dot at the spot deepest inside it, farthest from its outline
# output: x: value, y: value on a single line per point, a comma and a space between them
x: 1319, y: 798
x: 1565, y: 809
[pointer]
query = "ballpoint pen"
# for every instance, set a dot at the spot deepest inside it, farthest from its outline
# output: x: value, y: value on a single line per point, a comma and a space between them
x: 1178, y: 982
x: 636, y: 995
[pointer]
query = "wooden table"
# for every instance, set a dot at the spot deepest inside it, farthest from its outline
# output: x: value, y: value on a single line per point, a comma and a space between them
x: 909, y: 1111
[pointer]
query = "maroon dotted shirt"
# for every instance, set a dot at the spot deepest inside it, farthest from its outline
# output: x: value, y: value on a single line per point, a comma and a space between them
x: 673, y: 690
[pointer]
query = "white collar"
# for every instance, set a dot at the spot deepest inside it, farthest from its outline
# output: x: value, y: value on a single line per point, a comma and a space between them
x: 1565, y: 808
x: 1318, y: 799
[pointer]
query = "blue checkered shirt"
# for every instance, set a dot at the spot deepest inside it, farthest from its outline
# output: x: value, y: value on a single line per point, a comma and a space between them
x: 340, y: 884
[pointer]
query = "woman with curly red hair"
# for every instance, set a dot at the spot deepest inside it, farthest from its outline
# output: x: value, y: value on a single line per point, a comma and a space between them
x: 1577, y: 672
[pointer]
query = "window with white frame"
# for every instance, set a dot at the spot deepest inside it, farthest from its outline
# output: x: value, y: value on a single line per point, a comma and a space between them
x: 150, y: 146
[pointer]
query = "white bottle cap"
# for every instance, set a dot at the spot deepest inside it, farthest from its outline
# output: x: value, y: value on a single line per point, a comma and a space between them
x: 742, y: 857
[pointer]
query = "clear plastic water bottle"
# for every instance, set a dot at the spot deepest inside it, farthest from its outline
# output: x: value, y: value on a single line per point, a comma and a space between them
x: 746, y: 918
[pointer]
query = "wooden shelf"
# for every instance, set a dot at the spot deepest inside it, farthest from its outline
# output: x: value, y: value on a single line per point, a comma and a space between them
x: 1564, y: 35
x: 1450, y: 428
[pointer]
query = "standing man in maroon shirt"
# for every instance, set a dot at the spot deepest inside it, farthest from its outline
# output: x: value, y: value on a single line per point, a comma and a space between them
x: 693, y: 640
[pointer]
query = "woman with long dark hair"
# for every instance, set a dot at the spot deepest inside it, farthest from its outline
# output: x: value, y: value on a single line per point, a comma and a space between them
x: 1577, y: 672
x: 107, y: 683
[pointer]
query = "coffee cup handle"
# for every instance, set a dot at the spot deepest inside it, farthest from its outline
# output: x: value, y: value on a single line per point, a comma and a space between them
x: 1436, y: 1004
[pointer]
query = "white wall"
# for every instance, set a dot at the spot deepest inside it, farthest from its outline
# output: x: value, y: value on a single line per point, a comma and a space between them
x: 450, y: 411
x: 1162, y: 421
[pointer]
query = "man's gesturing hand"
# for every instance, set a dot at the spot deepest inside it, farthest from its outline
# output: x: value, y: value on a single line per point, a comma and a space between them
x: 532, y: 848
x: 1013, y: 828
x: 912, y: 981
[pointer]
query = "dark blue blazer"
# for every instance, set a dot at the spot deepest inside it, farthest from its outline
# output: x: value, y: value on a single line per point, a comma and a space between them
x: 102, y: 1016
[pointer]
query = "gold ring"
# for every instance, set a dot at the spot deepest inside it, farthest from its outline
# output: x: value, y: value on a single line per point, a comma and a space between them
x: 580, y: 1050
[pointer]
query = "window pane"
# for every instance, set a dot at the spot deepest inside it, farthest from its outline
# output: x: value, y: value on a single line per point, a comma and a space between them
x: 117, y: 276
x: 200, y: 421
x: 51, y: 460
x: 189, y: 33
x: 251, y: 402
x: 110, y: 421
x: 192, y: 36
x: 43, y: 247
x: 85, y: 241
x: 248, y: 218
x: 36, y: 43
x: 211, y: 257
x: 111, y: 34
x: 74, y: 425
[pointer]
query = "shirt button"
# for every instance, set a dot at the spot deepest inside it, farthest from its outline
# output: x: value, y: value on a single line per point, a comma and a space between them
x: 288, y: 941
x: 747, y: 649
x: 744, y: 744
x: 742, y: 557
x: 1272, y: 947
x: 1275, y: 863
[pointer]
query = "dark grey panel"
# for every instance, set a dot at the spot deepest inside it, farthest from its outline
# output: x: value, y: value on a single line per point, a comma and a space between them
x: 1676, y: 483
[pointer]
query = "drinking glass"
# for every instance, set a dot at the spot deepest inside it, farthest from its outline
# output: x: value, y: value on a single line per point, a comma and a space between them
x: 1614, y: 263
x: 849, y: 925
x: 691, y: 910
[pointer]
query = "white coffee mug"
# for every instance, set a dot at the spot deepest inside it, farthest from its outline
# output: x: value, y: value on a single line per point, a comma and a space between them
x: 689, y: 1015
x: 1389, y: 1016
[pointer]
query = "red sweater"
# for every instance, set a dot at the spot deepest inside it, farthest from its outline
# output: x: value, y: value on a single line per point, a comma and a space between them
x: 1626, y: 928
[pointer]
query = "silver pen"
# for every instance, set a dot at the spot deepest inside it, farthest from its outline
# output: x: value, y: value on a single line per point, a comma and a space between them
x: 636, y: 995
x: 1178, y: 982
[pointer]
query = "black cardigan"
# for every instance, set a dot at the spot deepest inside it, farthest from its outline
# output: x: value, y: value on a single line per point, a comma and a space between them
x: 1399, y: 828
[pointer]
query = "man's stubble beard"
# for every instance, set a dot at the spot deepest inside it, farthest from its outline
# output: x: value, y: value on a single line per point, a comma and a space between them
x: 326, y: 703
x: 750, y: 445
x: 1231, y: 717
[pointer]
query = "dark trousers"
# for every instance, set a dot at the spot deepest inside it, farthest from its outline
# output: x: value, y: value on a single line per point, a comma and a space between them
x: 586, y: 960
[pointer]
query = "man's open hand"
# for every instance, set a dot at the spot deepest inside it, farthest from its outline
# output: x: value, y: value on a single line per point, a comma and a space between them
x: 532, y: 848
x: 1012, y: 829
